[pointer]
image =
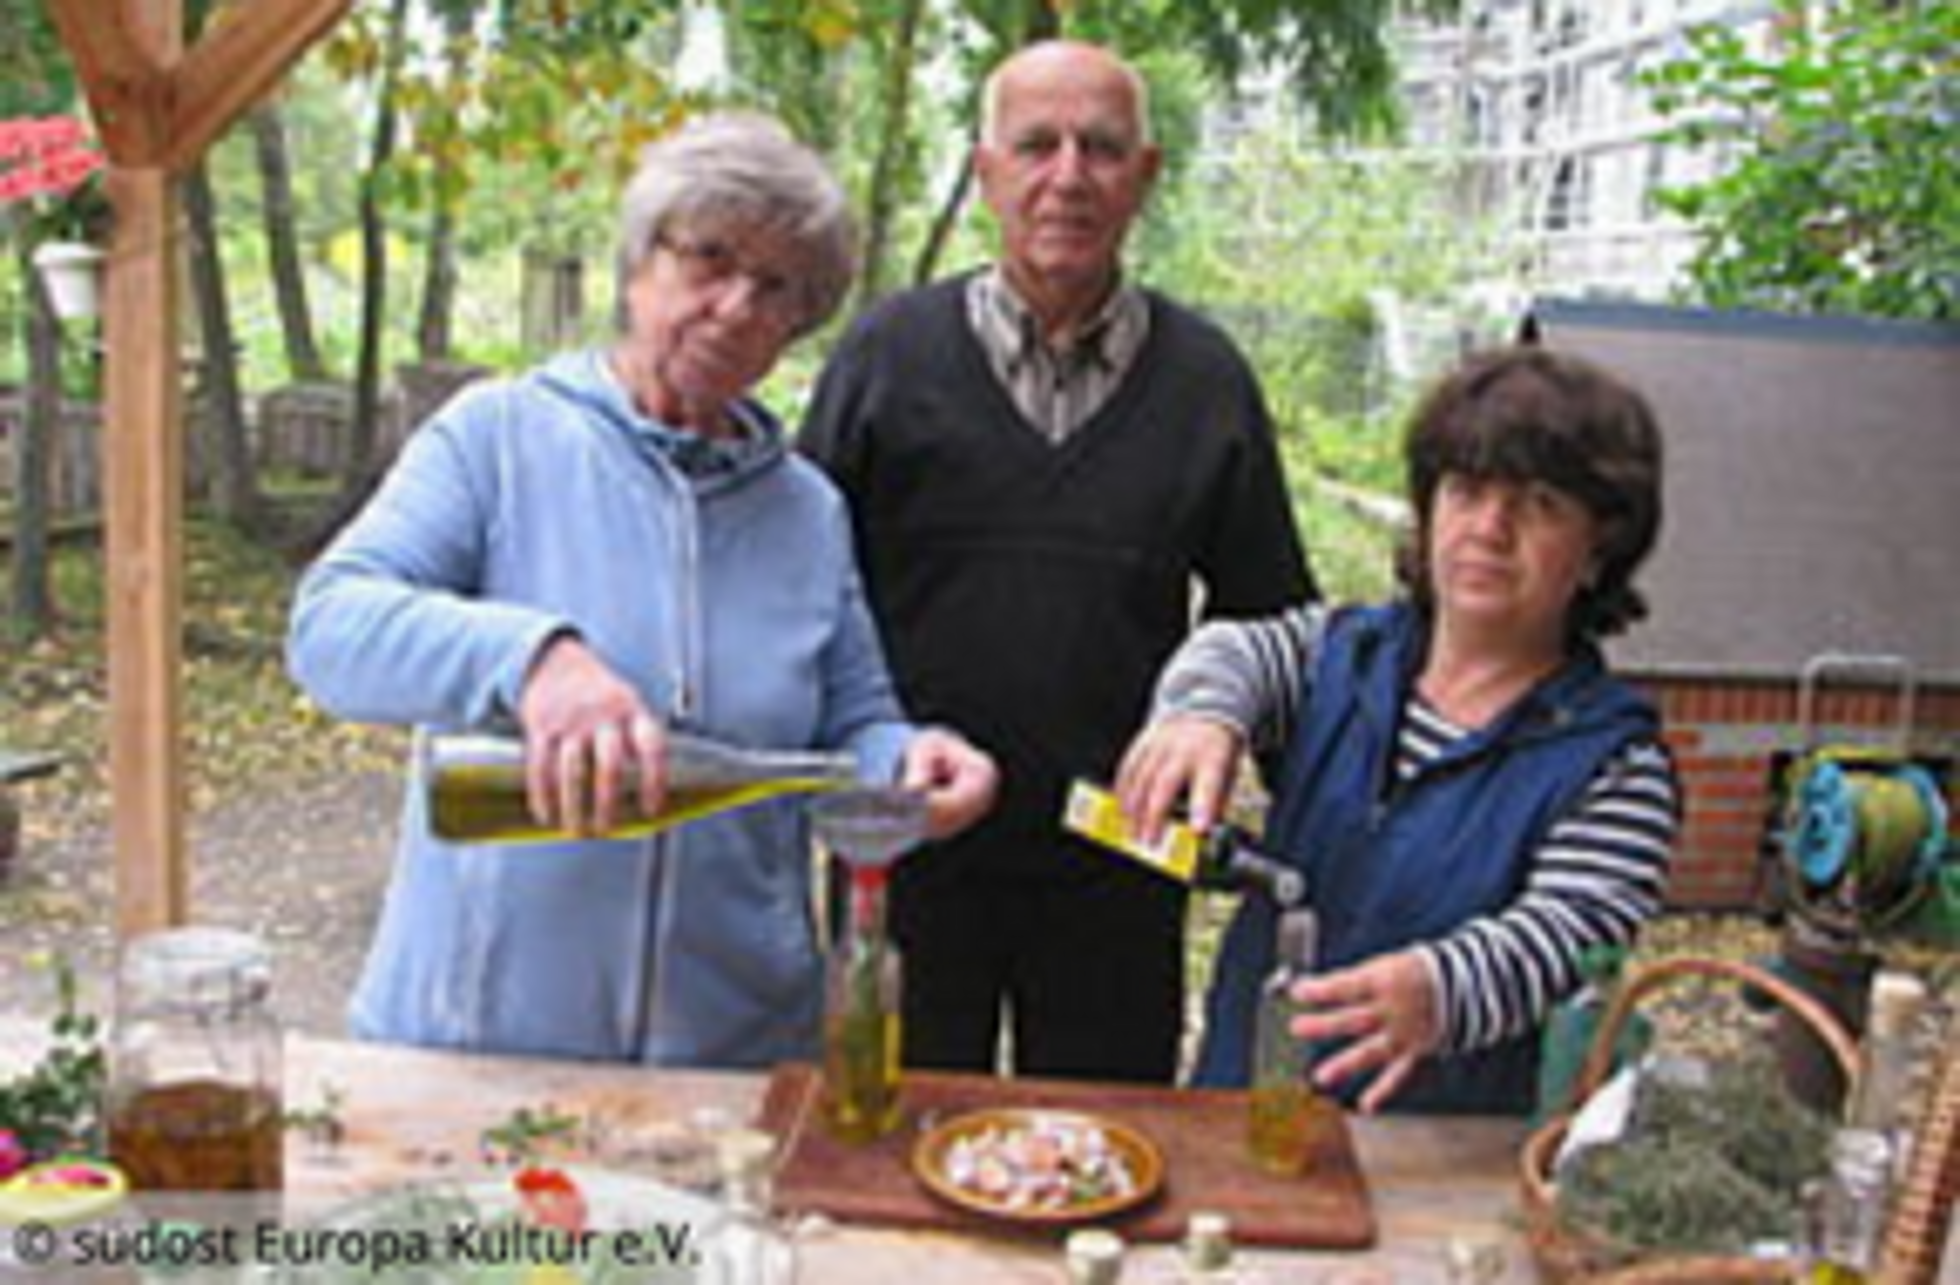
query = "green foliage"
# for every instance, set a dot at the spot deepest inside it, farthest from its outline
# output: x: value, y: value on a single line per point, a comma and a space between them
x: 83, y: 215
x: 1333, y: 53
x: 54, y: 1108
x: 36, y: 77
x: 1843, y: 190
x: 1293, y: 249
x: 557, y: 98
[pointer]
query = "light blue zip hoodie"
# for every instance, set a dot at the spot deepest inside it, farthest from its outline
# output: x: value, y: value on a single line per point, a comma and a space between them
x: 732, y: 600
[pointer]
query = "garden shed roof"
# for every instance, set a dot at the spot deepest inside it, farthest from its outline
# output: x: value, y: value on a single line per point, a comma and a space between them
x: 1811, y: 501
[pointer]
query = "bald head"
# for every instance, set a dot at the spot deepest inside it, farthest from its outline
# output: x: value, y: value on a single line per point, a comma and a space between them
x: 1065, y: 163
x: 1063, y: 62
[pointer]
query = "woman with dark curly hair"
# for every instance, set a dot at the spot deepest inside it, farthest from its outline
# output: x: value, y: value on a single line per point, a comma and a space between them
x: 1474, y: 799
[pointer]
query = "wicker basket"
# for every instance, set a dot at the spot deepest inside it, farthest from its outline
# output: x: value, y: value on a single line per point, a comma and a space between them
x: 1915, y: 1239
x: 1567, y: 1258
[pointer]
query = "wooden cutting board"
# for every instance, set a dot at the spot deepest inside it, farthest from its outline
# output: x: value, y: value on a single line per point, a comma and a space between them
x: 1201, y: 1133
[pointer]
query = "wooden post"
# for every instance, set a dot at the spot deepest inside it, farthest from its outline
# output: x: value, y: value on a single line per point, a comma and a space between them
x: 143, y: 517
x: 157, y: 111
x: 143, y: 503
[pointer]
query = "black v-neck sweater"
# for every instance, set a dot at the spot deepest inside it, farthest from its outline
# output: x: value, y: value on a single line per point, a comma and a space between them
x: 1028, y: 591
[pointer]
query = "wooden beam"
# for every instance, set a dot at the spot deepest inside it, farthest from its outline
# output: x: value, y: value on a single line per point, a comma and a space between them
x: 123, y: 79
x: 143, y: 501
x: 235, y: 64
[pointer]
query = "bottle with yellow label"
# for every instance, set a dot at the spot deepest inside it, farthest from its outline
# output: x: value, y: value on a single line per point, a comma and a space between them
x: 1222, y: 857
x: 475, y: 785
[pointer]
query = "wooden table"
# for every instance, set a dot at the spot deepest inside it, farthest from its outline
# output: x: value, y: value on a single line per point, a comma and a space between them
x: 411, y: 1113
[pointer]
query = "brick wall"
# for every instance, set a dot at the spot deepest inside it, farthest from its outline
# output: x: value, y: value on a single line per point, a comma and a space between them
x: 1725, y: 734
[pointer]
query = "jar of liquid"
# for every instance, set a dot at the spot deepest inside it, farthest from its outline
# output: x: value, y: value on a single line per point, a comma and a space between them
x: 194, y: 1099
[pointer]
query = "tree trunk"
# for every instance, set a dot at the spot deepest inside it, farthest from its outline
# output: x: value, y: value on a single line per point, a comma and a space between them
x: 435, y: 328
x: 1040, y: 20
x: 434, y: 338
x: 927, y: 264
x: 234, y: 475
x: 892, y: 150
x: 359, y: 463
x: 282, y: 246
x: 33, y: 595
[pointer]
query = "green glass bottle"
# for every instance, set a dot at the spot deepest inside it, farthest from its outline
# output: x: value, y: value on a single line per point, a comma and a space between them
x: 475, y: 786
x: 1283, y: 1103
x: 862, y: 1032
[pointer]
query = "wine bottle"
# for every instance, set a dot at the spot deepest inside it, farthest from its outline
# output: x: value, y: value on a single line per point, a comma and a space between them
x: 1222, y: 857
x: 475, y: 785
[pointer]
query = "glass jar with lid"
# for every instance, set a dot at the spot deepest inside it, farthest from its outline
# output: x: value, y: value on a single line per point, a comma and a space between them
x: 195, y: 1064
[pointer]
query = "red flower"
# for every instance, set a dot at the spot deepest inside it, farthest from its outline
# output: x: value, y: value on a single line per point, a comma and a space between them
x: 550, y: 1199
x: 44, y: 157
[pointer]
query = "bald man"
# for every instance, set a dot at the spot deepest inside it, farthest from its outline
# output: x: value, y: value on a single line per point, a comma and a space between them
x: 1045, y: 463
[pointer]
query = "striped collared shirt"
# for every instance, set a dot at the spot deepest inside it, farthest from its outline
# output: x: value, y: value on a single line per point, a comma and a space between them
x: 1056, y: 391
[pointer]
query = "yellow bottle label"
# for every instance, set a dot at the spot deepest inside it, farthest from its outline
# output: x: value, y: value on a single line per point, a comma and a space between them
x: 1094, y: 813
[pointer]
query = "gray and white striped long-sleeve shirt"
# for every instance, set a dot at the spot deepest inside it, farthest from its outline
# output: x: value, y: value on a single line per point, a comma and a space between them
x: 1596, y: 877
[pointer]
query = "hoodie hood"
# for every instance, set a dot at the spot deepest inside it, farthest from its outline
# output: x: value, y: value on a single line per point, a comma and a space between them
x: 586, y: 379
x: 1580, y: 697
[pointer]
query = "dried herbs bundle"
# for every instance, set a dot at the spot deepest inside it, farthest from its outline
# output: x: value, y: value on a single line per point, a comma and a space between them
x: 1709, y: 1168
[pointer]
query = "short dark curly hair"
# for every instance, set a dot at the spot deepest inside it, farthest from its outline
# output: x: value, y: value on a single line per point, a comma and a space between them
x: 1528, y: 414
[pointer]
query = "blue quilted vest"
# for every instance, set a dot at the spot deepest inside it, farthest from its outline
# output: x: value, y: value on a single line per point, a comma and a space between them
x: 1391, y: 864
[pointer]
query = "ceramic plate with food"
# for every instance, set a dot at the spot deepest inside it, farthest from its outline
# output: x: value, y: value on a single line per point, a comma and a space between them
x: 1037, y: 1166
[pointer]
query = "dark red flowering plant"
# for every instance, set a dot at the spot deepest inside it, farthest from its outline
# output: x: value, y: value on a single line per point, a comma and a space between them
x: 50, y: 173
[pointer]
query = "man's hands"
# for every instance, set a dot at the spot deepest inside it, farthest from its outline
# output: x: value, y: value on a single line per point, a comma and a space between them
x: 957, y: 779
x: 585, y: 729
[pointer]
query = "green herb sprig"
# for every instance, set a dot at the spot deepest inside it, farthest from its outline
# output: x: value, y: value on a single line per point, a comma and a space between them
x: 321, y: 1125
x: 55, y: 1107
x: 526, y: 1133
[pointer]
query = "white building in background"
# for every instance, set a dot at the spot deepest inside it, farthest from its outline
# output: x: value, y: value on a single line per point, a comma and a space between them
x: 1544, y: 99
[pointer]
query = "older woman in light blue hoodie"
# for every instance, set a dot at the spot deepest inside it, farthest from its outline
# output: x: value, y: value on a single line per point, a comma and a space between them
x: 611, y: 543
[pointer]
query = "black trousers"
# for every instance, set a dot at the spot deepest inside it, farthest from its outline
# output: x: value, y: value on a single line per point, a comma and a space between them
x: 1085, y: 956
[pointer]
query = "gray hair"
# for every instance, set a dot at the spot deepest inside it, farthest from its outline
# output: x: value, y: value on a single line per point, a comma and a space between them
x: 991, y: 88
x: 742, y: 168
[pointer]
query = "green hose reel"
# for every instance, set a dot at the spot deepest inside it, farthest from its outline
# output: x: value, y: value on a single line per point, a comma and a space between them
x: 1863, y: 828
x: 1865, y: 837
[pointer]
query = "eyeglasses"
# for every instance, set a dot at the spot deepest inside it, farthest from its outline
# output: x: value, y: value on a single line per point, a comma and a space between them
x: 711, y: 264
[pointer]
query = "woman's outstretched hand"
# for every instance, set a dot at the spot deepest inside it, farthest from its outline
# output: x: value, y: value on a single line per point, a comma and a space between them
x: 1385, y: 1010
